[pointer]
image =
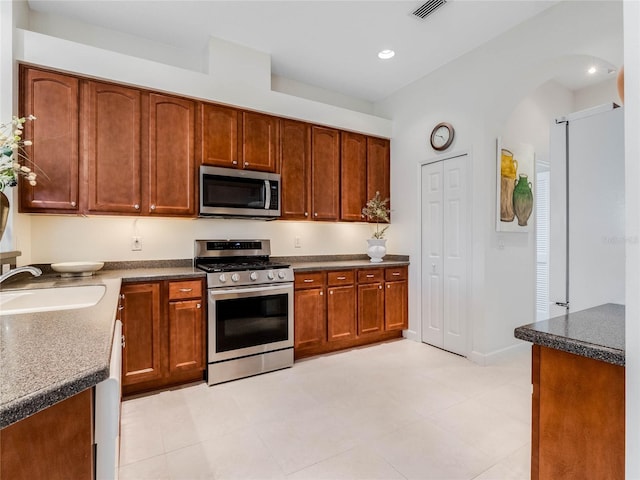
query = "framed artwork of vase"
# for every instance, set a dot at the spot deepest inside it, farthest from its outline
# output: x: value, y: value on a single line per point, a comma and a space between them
x: 515, y: 180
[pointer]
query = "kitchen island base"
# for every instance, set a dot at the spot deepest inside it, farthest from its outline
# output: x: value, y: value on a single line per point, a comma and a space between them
x: 578, y: 417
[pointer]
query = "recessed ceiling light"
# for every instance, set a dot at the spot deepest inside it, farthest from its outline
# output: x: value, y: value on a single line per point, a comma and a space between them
x: 386, y: 54
x: 592, y: 70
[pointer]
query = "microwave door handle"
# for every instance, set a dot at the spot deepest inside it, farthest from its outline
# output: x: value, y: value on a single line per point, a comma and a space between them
x: 267, y: 194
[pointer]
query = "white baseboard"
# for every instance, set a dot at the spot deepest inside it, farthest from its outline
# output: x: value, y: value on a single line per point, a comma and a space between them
x: 411, y: 335
x: 496, y: 356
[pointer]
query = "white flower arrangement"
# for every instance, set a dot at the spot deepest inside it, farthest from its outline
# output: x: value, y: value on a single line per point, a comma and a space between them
x: 12, y: 153
x: 376, y: 209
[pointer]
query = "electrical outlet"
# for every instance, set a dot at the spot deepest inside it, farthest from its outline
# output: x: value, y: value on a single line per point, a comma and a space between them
x: 136, y: 243
x: 297, y: 243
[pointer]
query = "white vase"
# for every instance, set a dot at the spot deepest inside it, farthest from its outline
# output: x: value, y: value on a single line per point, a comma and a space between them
x: 377, y: 249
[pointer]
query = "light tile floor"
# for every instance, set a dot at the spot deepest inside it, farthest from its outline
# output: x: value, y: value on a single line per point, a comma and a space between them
x: 399, y: 410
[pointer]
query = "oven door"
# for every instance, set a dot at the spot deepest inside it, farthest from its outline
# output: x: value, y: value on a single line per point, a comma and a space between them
x: 249, y: 321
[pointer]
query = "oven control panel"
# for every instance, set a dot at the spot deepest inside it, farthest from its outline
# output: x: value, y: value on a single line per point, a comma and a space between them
x: 249, y: 277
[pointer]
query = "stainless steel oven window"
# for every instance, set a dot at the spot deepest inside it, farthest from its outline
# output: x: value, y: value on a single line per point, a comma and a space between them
x: 248, y: 321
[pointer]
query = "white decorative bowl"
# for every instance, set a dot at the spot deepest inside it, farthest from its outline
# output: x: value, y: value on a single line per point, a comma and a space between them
x: 77, y: 269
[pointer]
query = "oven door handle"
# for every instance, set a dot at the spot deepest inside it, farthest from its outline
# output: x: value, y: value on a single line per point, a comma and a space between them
x: 213, y: 292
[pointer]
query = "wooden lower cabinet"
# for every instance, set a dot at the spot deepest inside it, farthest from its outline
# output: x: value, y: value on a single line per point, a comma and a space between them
x: 578, y: 417
x: 54, y: 444
x: 141, y: 354
x: 342, y: 309
x: 370, y: 308
x: 309, y: 313
x: 164, y: 327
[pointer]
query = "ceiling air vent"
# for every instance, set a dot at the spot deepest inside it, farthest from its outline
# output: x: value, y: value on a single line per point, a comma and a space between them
x: 427, y: 8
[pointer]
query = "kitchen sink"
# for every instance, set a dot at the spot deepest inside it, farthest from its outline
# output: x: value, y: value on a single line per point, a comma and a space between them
x: 49, y: 299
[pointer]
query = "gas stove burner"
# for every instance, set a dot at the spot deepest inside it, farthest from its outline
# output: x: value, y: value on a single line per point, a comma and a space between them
x: 238, y: 266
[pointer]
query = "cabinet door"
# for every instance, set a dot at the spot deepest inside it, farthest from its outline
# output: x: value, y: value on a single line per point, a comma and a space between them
x: 378, y: 167
x: 295, y: 170
x: 220, y: 136
x: 53, y: 99
x: 171, y: 166
x: 54, y: 444
x: 370, y: 308
x: 186, y: 336
x: 141, y: 358
x: 325, y: 173
x: 396, y: 316
x: 310, y: 323
x: 341, y: 313
x: 353, y: 177
x: 111, y: 138
x: 260, y: 140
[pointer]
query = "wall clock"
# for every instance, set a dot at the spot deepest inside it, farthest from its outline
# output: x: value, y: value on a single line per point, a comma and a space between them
x: 442, y: 136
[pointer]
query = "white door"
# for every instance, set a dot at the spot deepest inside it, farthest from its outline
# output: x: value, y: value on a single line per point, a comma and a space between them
x: 588, y: 270
x: 444, y: 254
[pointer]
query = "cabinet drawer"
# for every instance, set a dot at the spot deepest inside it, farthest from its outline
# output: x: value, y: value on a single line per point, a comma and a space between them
x: 309, y: 279
x: 344, y: 277
x: 397, y: 273
x: 186, y: 289
x: 370, y: 275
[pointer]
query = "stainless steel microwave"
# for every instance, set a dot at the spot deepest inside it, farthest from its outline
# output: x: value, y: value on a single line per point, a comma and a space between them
x: 230, y: 192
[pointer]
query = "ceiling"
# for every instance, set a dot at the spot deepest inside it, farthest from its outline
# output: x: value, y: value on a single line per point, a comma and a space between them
x: 327, y: 44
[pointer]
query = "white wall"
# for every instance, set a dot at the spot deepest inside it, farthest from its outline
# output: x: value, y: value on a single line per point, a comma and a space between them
x: 601, y: 93
x: 477, y: 94
x: 63, y: 238
x: 632, y: 204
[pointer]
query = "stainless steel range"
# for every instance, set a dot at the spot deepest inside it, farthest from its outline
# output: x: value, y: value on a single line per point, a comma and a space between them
x: 250, y: 319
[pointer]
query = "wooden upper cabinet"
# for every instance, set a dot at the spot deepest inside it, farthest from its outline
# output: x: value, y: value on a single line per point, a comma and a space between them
x: 325, y: 173
x: 295, y: 169
x: 53, y: 99
x: 378, y: 167
x: 260, y: 139
x: 220, y: 127
x: 353, y: 168
x: 171, y: 156
x: 111, y: 140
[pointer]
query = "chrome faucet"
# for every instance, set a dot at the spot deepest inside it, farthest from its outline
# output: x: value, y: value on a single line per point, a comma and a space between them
x: 35, y: 271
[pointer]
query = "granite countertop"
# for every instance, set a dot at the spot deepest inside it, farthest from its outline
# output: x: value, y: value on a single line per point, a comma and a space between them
x: 341, y: 262
x: 47, y: 357
x: 596, y: 333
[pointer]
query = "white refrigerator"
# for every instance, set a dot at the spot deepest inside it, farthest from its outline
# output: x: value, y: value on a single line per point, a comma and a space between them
x: 587, y: 232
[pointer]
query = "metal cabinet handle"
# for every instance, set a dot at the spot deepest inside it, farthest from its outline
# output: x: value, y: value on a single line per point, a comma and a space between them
x: 342, y: 278
x: 235, y: 162
x: 153, y: 207
x: 186, y: 290
x: 331, y: 292
x: 388, y: 286
x: 308, y: 280
x: 321, y: 293
x: 370, y: 276
x: 315, y: 214
x: 396, y: 274
x: 136, y: 206
x: 124, y: 343
x: 120, y: 307
x: 246, y: 164
x: 122, y: 296
x: 73, y: 204
x: 198, y: 306
x: 306, y: 214
x: 379, y: 287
